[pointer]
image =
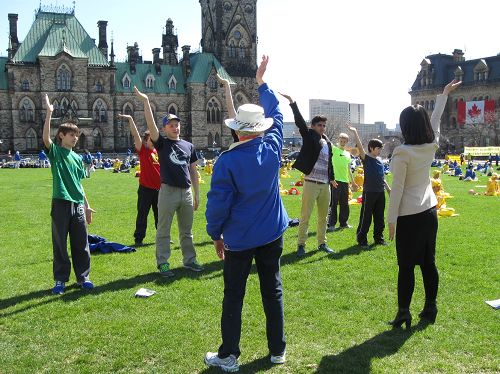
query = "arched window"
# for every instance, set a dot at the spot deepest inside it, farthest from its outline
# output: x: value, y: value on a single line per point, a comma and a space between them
x: 57, y: 110
x: 126, y: 81
x: 172, y: 109
x: 210, y: 140
x: 26, y: 111
x: 242, y: 49
x: 217, y: 139
x: 96, y: 134
x: 241, y: 99
x: 212, y: 83
x: 232, y: 49
x: 213, y: 111
x: 82, y: 141
x: 150, y: 81
x: 98, y: 86
x: 172, y: 83
x: 25, y: 85
x: 432, y: 105
x: 31, y: 139
x: 127, y: 109
x: 100, y: 111
x: 63, y: 80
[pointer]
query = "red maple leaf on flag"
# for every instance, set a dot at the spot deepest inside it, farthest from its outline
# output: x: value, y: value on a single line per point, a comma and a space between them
x: 474, y: 111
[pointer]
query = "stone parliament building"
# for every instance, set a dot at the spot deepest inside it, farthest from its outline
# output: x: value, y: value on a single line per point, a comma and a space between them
x: 87, y: 86
x: 480, y: 82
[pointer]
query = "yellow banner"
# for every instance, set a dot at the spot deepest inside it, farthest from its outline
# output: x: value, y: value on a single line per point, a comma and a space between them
x: 481, y: 151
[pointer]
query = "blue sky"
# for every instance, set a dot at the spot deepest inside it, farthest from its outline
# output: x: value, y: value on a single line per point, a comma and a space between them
x: 361, y: 51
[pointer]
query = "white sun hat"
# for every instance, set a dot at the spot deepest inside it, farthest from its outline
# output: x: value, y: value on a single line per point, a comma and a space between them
x: 250, y: 118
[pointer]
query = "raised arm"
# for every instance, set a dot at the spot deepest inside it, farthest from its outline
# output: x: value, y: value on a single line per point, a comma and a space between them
x: 439, y: 107
x: 46, y: 126
x: 133, y: 130
x: 231, y: 112
x: 359, y: 145
x: 297, y: 116
x: 148, y: 114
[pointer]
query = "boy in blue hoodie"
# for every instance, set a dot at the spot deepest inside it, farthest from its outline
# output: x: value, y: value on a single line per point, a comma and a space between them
x: 246, y: 219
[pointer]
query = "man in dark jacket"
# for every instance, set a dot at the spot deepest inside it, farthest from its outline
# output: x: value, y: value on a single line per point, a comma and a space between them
x: 315, y: 161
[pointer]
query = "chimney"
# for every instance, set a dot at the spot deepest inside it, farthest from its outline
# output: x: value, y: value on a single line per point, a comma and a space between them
x: 103, y: 44
x: 458, y: 55
x: 131, y: 58
x: 156, y: 60
x: 14, y: 42
x: 186, y: 64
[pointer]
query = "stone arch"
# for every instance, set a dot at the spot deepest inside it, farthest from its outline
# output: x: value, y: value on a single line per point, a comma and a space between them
x: 31, y: 139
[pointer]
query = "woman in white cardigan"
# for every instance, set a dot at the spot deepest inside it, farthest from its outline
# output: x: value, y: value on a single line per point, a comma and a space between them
x: 412, y: 206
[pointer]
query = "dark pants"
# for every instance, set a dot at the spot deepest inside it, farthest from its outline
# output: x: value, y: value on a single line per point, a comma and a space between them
x: 373, y: 205
x: 237, y: 266
x: 69, y: 218
x: 340, y: 196
x: 146, y: 198
x: 416, y: 245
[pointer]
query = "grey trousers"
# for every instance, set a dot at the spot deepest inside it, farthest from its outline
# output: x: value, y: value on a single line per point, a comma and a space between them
x: 175, y: 200
x: 69, y: 218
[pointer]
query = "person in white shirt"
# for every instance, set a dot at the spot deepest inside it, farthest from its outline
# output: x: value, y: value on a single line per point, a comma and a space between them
x: 412, y: 208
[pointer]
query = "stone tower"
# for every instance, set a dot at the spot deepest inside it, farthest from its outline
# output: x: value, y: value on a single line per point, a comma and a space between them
x: 229, y: 31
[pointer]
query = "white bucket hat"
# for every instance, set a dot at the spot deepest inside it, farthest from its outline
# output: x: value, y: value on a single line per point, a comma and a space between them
x: 249, y: 117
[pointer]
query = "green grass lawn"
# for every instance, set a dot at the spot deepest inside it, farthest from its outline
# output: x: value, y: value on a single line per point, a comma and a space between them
x: 336, y: 307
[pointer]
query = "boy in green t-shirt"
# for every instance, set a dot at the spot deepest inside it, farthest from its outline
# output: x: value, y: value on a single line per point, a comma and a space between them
x: 70, y: 209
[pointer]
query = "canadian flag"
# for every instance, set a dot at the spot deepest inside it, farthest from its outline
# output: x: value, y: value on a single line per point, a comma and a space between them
x: 474, y: 112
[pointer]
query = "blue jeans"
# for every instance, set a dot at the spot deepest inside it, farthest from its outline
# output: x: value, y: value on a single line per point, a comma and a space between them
x: 237, y: 266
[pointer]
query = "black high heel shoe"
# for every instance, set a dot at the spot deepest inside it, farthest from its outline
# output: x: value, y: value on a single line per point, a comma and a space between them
x: 429, y: 312
x: 403, y: 316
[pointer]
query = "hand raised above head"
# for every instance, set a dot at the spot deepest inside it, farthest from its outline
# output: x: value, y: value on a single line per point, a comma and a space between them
x: 50, y: 107
x: 259, y: 75
x: 452, y: 86
x: 350, y: 127
x: 288, y: 97
x: 125, y: 116
x: 139, y: 94
x: 222, y: 80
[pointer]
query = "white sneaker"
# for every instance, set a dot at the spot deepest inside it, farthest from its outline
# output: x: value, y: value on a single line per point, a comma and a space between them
x: 281, y: 359
x: 228, y: 364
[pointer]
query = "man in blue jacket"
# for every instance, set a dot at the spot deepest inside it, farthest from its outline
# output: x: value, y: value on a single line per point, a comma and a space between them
x: 246, y: 219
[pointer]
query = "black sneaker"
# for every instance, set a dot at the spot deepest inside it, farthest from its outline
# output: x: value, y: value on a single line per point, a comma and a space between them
x: 301, y: 251
x: 323, y: 247
x: 381, y: 242
x: 138, y: 243
x: 364, y: 245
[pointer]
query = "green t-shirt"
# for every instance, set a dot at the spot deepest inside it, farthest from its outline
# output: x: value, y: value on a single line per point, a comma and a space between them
x: 341, y: 160
x: 67, y: 173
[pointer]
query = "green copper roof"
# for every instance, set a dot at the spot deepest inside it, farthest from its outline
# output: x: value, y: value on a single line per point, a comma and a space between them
x: 201, y: 66
x: 141, y: 73
x: 53, y: 33
x: 3, y: 73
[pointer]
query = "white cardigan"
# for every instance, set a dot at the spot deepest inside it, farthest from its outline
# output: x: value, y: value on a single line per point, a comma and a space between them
x: 411, y: 191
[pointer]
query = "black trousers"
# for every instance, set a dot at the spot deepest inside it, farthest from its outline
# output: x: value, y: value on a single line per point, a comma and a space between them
x: 416, y: 245
x: 69, y: 218
x: 237, y: 266
x: 340, y: 196
x: 146, y: 198
x: 373, y: 205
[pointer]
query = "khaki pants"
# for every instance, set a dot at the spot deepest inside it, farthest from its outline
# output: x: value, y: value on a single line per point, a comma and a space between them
x: 319, y: 194
x: 175, y: 200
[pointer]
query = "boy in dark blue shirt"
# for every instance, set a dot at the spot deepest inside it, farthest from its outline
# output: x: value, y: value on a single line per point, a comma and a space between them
x: 373, y: 192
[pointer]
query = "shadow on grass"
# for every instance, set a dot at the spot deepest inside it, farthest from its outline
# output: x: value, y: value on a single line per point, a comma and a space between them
x: 357, y: 359
x: 73, y: 292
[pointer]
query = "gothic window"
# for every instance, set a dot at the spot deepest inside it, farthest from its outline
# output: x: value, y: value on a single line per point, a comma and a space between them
x: 172, y: 109
x: 31, y: 139
x: 127, y: 109
x: 99, y: 87
x: 210, y: 140
x: 82, y: 142
x: 213, y: 111
x: 431, y: 107
x: 172, y: 83
x: 217, y: 139
x: 63, y: 79
x: 241, y: 98
x: 232, y: 49
x: 126, y: 81
x: 241, y: 50
x: 57, y: 111
x: 100, y: 112
x: 25, y: 85
x: 150, y: 81
x: 64, y: 106
x: 212, y: 83
x: 26, y: 111
x: 96, y: 134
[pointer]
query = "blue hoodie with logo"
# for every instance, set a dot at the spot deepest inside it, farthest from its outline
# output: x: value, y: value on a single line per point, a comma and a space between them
x: 244, y: 205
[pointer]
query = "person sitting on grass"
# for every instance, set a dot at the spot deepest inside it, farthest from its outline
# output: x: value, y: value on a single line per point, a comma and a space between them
x: 373, y: 203
x: 70, y: 211
x: 470, y: 174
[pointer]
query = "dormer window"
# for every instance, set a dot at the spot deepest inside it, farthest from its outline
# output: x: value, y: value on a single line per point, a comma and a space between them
x: 212, y: 83
x: 150, y: 81
x: 481, y: 71
x: 126, y: 81
x: 172, y: 83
